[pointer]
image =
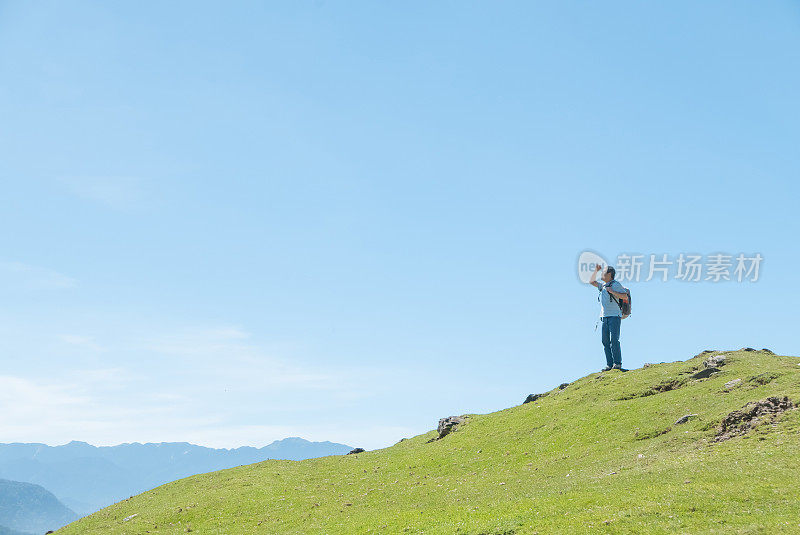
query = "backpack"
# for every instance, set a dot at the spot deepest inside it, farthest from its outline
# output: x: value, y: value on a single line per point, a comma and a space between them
x: 624, y: 303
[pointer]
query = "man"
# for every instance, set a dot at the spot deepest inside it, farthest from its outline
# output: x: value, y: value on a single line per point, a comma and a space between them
x: 610, y: 314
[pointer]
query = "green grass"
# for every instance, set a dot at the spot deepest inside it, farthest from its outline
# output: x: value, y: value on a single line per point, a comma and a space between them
x: 602, y: 455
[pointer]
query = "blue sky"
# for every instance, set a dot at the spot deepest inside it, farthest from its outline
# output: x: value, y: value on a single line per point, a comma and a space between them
x: 229, y: 224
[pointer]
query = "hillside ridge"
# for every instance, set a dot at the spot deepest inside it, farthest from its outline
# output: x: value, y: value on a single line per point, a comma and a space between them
x: 631, y: 451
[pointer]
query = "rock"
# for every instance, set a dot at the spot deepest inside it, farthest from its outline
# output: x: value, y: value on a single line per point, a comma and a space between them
x: 732, y: 384
x: 714, y: 362
x: 356, y: 450
x: 765, y: 350
x: 703, y: 374
x: 562, y: 386
x: 755, y: 413
x: 647, y: 364
x: 131, y: 517
x: 747, y: 349
x: 685, y: 418
x: 533, y: 397
x: 446, y: 425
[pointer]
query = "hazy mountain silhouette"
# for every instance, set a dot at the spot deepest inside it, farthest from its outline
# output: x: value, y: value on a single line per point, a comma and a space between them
x: 87, y: 478
x: 29, y: 508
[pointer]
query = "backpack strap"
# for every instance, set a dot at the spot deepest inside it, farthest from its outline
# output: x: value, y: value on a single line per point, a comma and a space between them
x: 612, y: 295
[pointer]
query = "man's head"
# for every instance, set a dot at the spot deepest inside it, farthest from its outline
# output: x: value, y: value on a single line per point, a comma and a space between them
x: 609, y: 273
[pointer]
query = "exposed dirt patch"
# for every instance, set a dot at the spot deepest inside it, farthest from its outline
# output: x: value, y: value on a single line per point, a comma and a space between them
x: 751, y: 416
x: 653, y: 433
x: 762, y: 378
x: 664, y: 386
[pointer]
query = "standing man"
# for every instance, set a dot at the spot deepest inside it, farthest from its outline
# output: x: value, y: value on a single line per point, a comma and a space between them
x: 610, y: 314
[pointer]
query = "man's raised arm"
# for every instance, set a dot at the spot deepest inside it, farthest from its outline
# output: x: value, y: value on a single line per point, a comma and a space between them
x: 592, y: 280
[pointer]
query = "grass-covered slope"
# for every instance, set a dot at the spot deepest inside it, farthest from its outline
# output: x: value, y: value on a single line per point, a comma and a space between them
x: 603, y: 454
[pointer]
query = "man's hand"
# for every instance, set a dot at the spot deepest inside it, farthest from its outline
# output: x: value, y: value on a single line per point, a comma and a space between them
x: 597, y: 268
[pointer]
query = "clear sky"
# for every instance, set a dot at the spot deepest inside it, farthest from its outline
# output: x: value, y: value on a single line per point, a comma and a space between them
x: 229, y: 223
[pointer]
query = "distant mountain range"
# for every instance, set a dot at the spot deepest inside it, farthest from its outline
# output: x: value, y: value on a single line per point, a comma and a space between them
x: 87, y: 478
x: 27, y: 508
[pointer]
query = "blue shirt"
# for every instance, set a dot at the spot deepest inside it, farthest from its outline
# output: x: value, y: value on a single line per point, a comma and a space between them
x: 608, y: 307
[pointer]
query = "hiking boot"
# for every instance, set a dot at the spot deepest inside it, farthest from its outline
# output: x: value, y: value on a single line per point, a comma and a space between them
x: 606, y: 368
x: 616, y: 367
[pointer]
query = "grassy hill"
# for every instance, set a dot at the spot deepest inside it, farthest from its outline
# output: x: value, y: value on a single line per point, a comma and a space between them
x: 604, y: 454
